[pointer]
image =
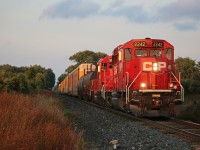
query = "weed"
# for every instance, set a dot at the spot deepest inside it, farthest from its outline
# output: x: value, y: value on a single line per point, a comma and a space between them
x: 35, y: 123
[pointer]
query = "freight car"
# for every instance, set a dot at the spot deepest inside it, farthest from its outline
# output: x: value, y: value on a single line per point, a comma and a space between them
x: 139, y: 78
x: 70, y: 84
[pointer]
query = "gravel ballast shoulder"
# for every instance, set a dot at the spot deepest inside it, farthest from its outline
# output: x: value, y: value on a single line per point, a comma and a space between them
x: 100, y: 127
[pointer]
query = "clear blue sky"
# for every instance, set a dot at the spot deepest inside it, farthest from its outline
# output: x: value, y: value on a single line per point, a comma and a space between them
x: 48, y: 32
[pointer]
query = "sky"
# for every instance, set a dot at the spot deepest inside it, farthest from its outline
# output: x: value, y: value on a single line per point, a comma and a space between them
x: 48, y: 32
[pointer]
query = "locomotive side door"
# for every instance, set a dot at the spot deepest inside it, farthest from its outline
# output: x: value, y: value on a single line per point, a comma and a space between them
x: 120, y: 71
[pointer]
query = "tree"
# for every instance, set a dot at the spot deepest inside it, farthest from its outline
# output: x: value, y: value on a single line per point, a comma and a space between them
x: 23, y: 83
x: 87, y: 57
x: 13, y: 84
x: 49, y: 78
x: 186, y: 66
x: 190, y: 74
x: 1, y: 84
x: 25, y: 79
x: 40, y: 81
x: 30, y: 73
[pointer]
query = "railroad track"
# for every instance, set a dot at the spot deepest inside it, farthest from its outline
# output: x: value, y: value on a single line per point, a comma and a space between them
x: 188, y: 131
x: 183, y: 129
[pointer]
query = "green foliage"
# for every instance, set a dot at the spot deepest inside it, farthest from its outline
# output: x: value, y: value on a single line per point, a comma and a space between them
x: 190, y: 74
x: 87, y: 57
x: 1, y: 84
x: 40, y: 80
x: 25, y: 79
x: 190, y: 108
x: 49, y: 78
x: 67, y: 113
x: 23, y: 85
x: 190, y: 78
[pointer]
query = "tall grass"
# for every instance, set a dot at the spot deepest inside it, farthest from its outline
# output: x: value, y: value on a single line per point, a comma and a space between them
x: 35, y: 123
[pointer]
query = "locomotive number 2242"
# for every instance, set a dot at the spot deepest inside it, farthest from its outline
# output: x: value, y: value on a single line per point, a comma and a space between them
x: 140, y: 44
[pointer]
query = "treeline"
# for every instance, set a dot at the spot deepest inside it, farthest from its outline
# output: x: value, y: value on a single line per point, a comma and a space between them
x: 190, y: 74
x: 25, y: 79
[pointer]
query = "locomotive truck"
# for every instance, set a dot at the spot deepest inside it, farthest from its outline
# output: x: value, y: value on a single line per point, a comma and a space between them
x: 139, y: 77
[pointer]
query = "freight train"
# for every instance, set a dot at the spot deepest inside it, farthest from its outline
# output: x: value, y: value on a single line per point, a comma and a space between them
x: 139, y: 77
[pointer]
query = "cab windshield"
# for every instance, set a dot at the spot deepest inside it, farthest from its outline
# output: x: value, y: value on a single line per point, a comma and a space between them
x: 155, y: 53
x: 141, y: 53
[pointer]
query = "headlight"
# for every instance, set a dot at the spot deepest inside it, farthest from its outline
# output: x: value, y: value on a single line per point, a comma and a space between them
x: 175, y: 87
x: 171, y: 85
x: 143, y: 85
x: 155, y: 66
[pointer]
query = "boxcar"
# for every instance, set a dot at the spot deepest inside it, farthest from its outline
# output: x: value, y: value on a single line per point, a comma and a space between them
x: 70, y: 84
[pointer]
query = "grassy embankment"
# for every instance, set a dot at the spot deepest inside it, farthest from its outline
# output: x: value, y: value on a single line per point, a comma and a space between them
x: 191, y: 108
x: 38, y: 122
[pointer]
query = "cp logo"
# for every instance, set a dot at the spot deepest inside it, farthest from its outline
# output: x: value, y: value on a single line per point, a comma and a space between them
x: 149, y: 66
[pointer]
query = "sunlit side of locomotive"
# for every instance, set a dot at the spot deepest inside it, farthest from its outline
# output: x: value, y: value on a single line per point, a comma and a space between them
x: 102, y: 86
x: 144, y: 78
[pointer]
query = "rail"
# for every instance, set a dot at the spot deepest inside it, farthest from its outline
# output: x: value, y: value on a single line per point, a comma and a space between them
x: 185, y: 129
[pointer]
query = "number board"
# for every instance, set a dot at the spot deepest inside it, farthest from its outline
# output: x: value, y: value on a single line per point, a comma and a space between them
x: 157, y: 44
x: 140, y: 44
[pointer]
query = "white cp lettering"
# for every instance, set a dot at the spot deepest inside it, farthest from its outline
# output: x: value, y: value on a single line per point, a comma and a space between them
x: 149, y: 66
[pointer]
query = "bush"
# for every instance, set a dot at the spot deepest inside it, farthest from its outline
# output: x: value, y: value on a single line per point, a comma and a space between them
x: 190, y: 108
x: 35, y: 123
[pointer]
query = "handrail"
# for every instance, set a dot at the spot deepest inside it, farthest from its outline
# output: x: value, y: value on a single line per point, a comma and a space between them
x: 182, y: 89
x: 128, y: 87
x: 127, y: 81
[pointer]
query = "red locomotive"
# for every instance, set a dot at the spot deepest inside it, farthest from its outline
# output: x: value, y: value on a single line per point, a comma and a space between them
x: 139, y: 77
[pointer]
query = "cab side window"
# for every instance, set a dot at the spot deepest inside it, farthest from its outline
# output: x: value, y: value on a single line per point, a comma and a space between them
x: 168, y: 53
x: 128, y: 54
x: 104, y: 67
